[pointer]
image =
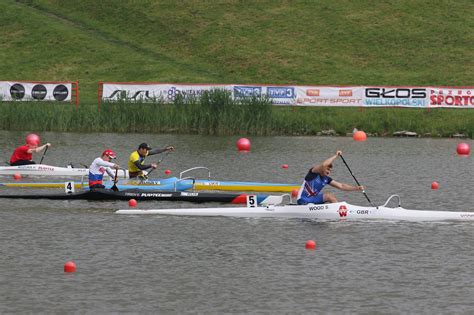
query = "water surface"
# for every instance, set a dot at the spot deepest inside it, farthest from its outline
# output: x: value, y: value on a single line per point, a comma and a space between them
x: 160, y: 264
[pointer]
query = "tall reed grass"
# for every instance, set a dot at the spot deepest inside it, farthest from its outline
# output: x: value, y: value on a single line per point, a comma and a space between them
x: 216, y: 113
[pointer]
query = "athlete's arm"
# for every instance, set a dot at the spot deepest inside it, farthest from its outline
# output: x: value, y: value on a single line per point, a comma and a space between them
x: 345, y: 187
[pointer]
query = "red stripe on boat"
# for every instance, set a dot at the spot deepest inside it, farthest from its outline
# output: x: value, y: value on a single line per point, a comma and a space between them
x: 240, y: 199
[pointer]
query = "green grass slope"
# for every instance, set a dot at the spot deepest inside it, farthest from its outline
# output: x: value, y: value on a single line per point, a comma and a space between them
x: 341, y: 42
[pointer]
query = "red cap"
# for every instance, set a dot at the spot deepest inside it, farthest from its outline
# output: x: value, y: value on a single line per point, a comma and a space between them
x: 33, y: 139
x: 111, y: 154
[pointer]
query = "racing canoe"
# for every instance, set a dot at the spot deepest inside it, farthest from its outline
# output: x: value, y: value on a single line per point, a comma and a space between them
x: 137, y: 194
x: 326, y: 212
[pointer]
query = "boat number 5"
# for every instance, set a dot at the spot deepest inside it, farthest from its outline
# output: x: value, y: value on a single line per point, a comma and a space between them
x: 69, y: 187
x: 251, y: 201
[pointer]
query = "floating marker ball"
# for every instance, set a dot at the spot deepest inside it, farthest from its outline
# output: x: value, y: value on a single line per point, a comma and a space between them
x: 132, y: 203
x: 167, y: 172
x: 434, y: 185
x: 33, y: 139
x: 70, y: 266
x: 463, y: 149
x: 294, y: 193
x: 310, y: 244
x: 284, y: 166
x: 243, y: 145
x: 17, y: 176
x: 359, y: 136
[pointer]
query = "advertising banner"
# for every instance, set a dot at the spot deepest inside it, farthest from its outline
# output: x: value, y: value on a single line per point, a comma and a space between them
x: 35, y: 91
x: 355, y: 96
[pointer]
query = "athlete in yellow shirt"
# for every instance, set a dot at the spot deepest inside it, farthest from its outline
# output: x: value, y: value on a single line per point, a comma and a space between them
x: 136, y: 162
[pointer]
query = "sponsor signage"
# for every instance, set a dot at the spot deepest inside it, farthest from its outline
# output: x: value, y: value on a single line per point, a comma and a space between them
x: 329, y: 96
x: 396, y: 96
x: 281, y: 95
x: 31, y: 91
x: 445, y: 97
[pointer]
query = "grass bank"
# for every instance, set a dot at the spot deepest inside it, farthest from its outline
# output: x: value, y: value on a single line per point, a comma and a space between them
x: 324, y: 42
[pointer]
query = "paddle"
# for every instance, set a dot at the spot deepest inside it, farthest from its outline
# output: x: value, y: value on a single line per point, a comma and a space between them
x: 145, y: 177
x: 363, y: 191
x: 44, y: 153
x: 114, y: 187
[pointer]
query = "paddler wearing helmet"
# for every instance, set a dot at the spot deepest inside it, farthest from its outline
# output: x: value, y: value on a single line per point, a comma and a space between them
x: 101, y: 165
x: 136, y: 161
x: 23, y: 155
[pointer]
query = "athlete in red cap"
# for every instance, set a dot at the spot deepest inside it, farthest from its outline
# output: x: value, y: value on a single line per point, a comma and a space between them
x: 23, y: 155
x: 101, y: 165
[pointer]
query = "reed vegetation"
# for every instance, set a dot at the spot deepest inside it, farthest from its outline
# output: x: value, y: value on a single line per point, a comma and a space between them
x: 216, y: 113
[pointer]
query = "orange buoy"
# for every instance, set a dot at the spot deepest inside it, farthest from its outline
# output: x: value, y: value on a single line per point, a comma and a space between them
x: 359, y: 136
x: 70, y: 266
x: 17, y: 176
x: 132, y: 203
x: 310, y: 244
x: 243, y: 145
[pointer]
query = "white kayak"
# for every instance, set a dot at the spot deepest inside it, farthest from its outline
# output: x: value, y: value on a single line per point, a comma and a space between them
x: 327, y: 212
x: 48, y: 170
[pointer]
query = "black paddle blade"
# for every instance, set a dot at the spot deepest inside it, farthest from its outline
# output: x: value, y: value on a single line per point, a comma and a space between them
x: 114, y: 187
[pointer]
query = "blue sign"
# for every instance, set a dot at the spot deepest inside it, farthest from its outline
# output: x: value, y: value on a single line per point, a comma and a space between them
x: 247, y: 91
x: 280, y: 92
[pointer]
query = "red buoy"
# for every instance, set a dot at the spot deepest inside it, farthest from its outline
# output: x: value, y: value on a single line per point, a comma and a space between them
x: 294, y: 193
x: 132, y: 203
x: 359, y: 136
x: 167, y: 172
x: 310, y: 244
x: 243, y: 145
x: 284, y: 166
x: 33, y: 139
x: 434, y: 185
x: 70, y: 266
x: 17, y: 176
x: 463, y: 149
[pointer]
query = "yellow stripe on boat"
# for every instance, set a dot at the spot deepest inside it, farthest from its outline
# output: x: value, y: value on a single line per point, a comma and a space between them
x: 257, y: 188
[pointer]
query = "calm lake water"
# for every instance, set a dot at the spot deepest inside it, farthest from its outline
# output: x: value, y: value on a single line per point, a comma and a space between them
x: 161, y: 264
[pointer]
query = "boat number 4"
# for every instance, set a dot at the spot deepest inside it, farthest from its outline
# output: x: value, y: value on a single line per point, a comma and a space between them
x: 251, y: 201
x: 69, y: 187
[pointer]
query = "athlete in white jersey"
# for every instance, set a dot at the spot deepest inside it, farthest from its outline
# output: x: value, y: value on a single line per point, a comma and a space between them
x: 101, y: 165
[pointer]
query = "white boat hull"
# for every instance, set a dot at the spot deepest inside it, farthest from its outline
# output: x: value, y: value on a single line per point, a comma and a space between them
x: 327, y: 212
x: 48, y: 170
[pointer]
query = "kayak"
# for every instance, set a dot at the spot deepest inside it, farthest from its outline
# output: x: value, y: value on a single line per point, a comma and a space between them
x: 48, y: 170
x: 326, y: 212
x: 168, y: 184
x: 138, y: 194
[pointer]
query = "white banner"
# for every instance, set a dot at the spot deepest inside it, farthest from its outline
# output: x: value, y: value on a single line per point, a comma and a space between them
x: 329, y: 96
x: 355, y: 96
x: 31, y: 91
